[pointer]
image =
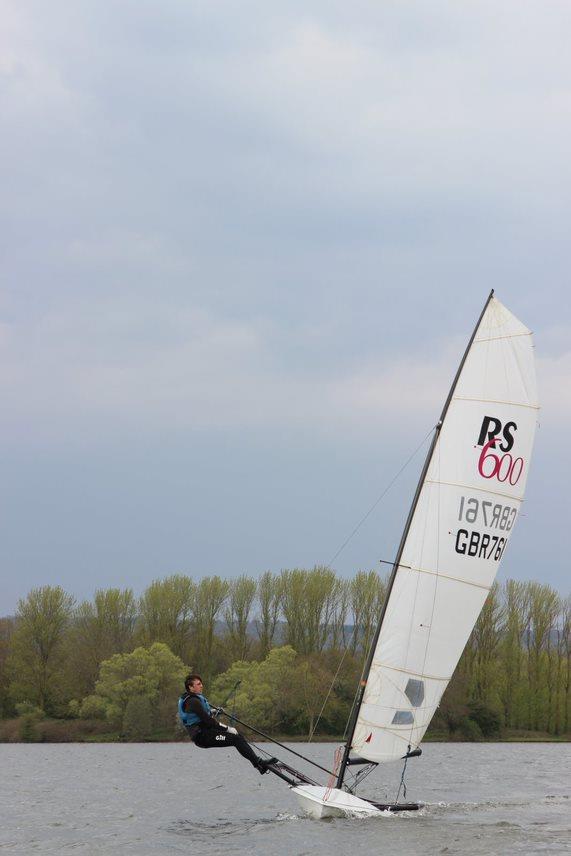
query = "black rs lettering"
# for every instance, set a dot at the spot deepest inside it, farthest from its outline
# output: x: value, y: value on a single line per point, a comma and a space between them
x: 508, y: 442
x: 490, y: 428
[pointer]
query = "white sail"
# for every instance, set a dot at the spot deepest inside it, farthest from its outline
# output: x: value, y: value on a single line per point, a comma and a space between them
x: 468, y: 504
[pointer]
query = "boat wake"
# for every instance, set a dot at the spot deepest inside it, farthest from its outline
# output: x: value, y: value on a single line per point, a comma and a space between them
x: 441, y: 808
x: 224, y: 827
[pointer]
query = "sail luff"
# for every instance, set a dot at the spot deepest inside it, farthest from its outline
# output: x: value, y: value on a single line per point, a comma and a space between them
x: 420, y: 484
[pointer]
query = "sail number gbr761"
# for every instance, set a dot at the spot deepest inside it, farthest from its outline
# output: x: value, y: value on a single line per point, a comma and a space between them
x: 495, y: 516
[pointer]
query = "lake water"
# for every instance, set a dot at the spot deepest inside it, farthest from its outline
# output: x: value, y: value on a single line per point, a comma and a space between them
x: 174, y: 798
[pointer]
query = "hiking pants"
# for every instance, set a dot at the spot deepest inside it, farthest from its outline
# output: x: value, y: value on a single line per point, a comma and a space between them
x: 210, y: 738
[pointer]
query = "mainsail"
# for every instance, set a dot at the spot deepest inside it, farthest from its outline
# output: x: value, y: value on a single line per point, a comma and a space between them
x: 467, y: 502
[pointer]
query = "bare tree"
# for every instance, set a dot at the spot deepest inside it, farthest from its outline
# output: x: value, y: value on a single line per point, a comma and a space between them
x: 166, y: 610
x: 209, y: 596
x: 542, y: 604
x: 485, y: 640
x: 308, y: 604
x: 7, y: 627
x: 367, y: 593
x: 100, y: 629
x: 339, y: 623
x: 565, y: 649
x: 269, y: 599
x: 237, y: 614
x: 516, y: 598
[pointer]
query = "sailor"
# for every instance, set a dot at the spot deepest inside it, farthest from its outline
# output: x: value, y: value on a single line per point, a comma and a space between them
x: 198, y: 717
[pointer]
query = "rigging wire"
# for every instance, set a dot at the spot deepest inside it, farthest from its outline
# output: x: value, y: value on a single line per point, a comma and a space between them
x: 361, y: 775
x: 376, y: 502
x: 329, y: 691
x: 278, y: 743
x: 339, y: 551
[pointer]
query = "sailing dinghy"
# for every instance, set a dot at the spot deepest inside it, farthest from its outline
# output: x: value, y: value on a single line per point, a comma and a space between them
x: 462, y: 515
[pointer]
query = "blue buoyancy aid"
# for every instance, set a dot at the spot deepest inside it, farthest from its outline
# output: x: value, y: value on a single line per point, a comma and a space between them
x: 188, y: 718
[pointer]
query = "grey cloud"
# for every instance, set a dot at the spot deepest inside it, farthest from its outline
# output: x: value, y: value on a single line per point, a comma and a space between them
x: 225, y: 222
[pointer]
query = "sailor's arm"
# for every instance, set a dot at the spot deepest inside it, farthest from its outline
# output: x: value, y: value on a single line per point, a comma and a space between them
x: 193, y: 705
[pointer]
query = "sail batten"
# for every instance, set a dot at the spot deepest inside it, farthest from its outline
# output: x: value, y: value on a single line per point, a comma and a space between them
x: 472, y: 487
x: 479, y: 341
x: 443, y: 576
x: 408, y: 672
x: 497, y: 401
x: 464, y: 511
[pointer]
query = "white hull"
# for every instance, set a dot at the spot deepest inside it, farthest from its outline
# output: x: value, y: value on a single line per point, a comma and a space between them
x: 322, y: 802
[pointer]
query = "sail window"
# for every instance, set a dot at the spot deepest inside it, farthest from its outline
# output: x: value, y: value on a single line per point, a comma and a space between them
x: 415, y: 692
x: 403, y: 717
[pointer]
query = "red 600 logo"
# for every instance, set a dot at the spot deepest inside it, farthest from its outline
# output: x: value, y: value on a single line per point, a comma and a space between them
x: 502, y: 467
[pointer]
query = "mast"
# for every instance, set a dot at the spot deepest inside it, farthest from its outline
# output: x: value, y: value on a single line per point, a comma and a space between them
x: 363, y: 682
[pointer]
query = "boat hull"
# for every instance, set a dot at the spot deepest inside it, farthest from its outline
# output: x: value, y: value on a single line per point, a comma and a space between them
x: 320, y: 802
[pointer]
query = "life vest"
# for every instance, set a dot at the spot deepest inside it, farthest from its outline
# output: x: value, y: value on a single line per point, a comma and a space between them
x: 187, y: 717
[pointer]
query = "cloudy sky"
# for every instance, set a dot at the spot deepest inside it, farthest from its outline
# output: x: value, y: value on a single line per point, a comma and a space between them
x: 242, y: 248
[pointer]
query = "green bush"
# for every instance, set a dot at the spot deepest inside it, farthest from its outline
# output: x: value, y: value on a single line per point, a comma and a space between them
x: 264, y: 695
x: 154, y: 674
x: 137, y: 719
x: 470, y: 730
x: 73, y: 708
x: 29, y: 728
x: 26, y: 708
x: 488, y: 719
x: 30, y: 715
x: 93, y: 707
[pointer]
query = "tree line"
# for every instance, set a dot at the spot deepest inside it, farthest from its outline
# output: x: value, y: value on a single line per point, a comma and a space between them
x: 278, y: 640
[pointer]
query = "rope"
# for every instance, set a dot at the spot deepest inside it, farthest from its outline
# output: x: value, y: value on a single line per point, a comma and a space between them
x: 402, y: 785
x: 333, y: 778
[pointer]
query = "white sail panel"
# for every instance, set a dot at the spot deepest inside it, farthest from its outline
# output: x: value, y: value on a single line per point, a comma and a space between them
x: 466, y: 511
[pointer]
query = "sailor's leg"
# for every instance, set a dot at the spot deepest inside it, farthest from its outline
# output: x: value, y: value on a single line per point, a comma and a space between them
x: 246, y: 751
x: 210, y: 738
x: 244, y: 748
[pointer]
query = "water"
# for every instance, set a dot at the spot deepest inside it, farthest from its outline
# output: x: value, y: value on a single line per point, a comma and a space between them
x: 174, y: 798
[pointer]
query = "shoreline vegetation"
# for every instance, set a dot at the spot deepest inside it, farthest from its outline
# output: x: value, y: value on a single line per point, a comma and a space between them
x: 74, y: 731
x: 283, y: 652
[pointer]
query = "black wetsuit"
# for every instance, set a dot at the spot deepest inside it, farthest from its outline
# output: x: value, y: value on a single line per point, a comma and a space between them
x: 208, y: 733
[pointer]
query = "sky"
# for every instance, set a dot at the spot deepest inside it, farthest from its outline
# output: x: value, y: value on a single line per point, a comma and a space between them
x: 242, y: 248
